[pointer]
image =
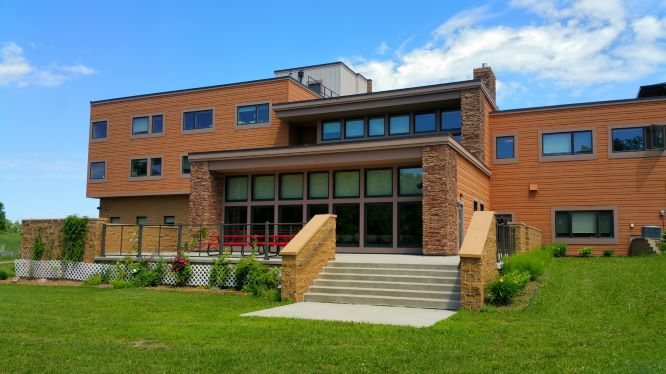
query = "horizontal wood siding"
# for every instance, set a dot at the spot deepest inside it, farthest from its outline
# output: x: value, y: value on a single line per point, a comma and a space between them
x: 635, y: 186
x: 472, y: 184
x: 154, y: 208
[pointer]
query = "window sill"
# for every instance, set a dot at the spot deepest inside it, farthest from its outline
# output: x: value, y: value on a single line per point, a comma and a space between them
x: 149, y: 135
x: 99, y: 140
x: 505, y: 161
x: 148, y: 178
x: 564, y: 158
x: 590, y: 241
x: 96, y: 180
x: 637, y: 154
x: 250, y: 126
x: 197, y: 131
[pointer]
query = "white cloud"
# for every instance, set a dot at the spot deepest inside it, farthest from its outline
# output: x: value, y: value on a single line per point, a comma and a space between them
x: 580, y: 43
x: 15, y: 69
x: 382, y: 48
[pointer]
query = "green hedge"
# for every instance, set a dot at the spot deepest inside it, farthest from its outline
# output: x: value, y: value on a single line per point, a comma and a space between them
x: 533, y: 262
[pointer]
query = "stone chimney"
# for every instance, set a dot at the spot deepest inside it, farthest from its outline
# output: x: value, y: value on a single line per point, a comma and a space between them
x: 369, y: 86
x: 487, y: 77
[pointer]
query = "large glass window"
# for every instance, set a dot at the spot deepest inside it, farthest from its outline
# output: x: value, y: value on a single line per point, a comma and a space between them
x: 424, y: 122
x: 139, y: 167
x: 504, y: 147
x: 263, y: 187
x: 147, y: 124
x: 584, y: 224
x: 629, y: 139
x: 330, y: 130
x: 139, y: 125
x: 376, y: 126
x: 185, y: 167
x: 98, y: 170
x: 235, y: 217
x: 410, y: 181
x: 261, y: 215
x: 156, y: 166
x: 346, y: 183
x: 452, y: 123
x: 379, y: 224
x: 252, y: 114
x: 399, y: 124
x: 318, y: 185
x: 314, y: 209
x: 99, y: 130
x: 378, y: 182
x: 290, y: 214
x: 567, y: 143
x: 236, y: 188
x: 354, y: 128
x: 347, y: 224
x: 291, y: 186
x: 410, y: 224
x: 202, y: 119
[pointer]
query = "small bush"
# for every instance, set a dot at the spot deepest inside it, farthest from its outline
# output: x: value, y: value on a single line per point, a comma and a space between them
x: 663, y: 235
x: 106, y: 275
x: 244, y: 268
x: 608, y: 253
x: 74, y: 234
x: 533, y: 262
x: 220, y: 271
x: 585, y: 252
x: 120, y: 284
x: 502, y: 290
x: 181, y: 268
x: 93, y: 280
x: 38, y: 247
x: 257, y: 278
x: 3, y: 275
x: 557, y: 249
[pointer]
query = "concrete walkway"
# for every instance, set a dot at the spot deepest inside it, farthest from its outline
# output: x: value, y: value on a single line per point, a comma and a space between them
x: 384, y: 315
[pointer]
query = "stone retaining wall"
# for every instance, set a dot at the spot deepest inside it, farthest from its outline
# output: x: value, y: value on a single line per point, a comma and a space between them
x: 526, y: 237
x: 50, y: 232
x: 478, y: 260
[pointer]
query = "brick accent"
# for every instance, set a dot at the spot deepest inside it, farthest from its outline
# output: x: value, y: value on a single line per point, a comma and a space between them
x: 205, y: 195
x: 50, y: 232
x: 473, y: 123
x: 477, y: 269
x: 440, y: 216
x: 487, y: 77
x: 526, y: 237
x: 369, y: 86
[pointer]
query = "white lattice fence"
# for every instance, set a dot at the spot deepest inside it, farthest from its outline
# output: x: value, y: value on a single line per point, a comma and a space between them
x: 53, y: 269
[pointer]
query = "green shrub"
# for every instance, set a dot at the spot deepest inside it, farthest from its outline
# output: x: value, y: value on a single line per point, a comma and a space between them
x: 106, y: 275
x: 257, y: 278
x: 533, y: 262
x: 585, y: 252
x: 244, y: 268
x: 608, y: 253
x: 663, y: 235
x: 38, y: 247
x: 220, y: 271
x: 74, y: 234
x: 139, y: 273
x: 557, y: 249
x: 3, y: 275
x: 662, y: 246
x: 181, y: 268
x: 93, y: 280
x: 120, y: 284
x: 502, y: 290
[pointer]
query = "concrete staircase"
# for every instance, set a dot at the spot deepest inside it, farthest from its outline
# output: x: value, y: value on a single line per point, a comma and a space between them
x: 434, y: 286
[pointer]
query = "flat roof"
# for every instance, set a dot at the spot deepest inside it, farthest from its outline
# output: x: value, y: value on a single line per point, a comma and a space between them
x: 579, y: 105
x: 320, y: 65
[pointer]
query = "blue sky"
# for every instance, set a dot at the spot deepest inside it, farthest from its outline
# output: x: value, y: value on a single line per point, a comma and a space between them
x: 57, y: 56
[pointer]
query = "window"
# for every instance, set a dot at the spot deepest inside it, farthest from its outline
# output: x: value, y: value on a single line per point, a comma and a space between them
x: 169, y: 220
x: 347, y: 224
x: 378, y: 182
x: 316, y: 87
x: 263, y: 187
x: 452, y: 123
x: 290, y: 214
x: 185, y: 165
x: 346, y: 183
x: 379, y: 225
x: 318, y: 185
x: 291, y: 186
x: 252, y: 114
x: 261, y: 215
x: 141, y: 220
x: 114, y: 220
x: 634, y: 139
x: 567, y: 143
x: 584, y: 224
x: 410, y: 181
x: 156, y: 166
x: 236, y: 188
x: 237, y: 216
x: 376, y: 126
x: 99, y: 130
x: 157, y: 124
x: 504, y: 147
x: 139, y: 167
x: 399, y: 124
x: 424, y: 122
x: 98, y: 170
x: 482, y: 207
x: 147, y: 125
x: 410, y: 224
x: 476, y: 205
x: 139, y: 125
x: 330, y: 130
x: 202, y: 119
x: 354, y: 128
x: 314, y: 209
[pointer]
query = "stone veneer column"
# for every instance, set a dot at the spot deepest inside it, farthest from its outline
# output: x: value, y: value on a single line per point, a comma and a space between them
x: 473, y: 122
x: 205, y: 195
x: 440, y: 216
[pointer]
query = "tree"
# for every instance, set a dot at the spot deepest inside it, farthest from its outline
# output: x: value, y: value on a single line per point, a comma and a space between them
x: 3, y: 218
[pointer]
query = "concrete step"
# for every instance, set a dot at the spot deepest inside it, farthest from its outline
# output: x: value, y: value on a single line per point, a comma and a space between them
x: 430, y: 287
x: 386, y: 292
x: 390, y: 278
x: 382, y: 300
x: 390, y: 271
x: 381, y: 265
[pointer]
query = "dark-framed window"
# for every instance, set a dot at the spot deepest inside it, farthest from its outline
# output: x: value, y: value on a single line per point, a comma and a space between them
x: 346, y: 183
x: 196, y: 120
x: 314, y: 209
x: 140, y: 125
x: 354, y: 128
x: 635, y: 139
x: 260, y: 215
x: 263, y: 187
x: 505, y: 147
x: 291, y: 186
x: 476, y: 205
x: 141, y: 220
x: 585, y: 224
x: 330, y: 130
x: 318, y: 185
x: 155, y: 166
x: 567, y: 143
x: 252, y: 114
x: 99, y: 129
x: 114, y: 220
x: 236, y: 216
x: 139, y: 167
x: 376, y: 126
x: 169, y: 220
x: 315, y: 87
x: 347, y: 224
x: 185, y: 167
x: 98, y: 170
x: 425, y: 122
x: 451, y: 122
x: 157, y: 124
x: 235, y: 188
x: 410, y: 181
x: 410, y: 224
x: 379, y: 182
x: 399, y: 124
x: 379, y: 224
x: 290, y: 214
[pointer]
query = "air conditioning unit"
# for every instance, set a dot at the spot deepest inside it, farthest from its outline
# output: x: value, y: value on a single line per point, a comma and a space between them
x: 651, y: 232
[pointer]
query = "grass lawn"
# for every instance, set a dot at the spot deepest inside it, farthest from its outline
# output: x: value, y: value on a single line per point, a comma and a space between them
x: 12, y: 244
x: 590, y: 315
